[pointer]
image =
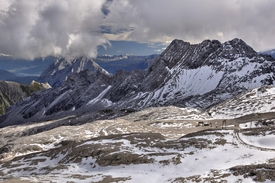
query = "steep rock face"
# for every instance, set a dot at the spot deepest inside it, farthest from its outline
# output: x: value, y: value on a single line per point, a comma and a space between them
x: 57, y: 73
x: 125, y: 84
x: 178, y: 55
x: 184, y: 75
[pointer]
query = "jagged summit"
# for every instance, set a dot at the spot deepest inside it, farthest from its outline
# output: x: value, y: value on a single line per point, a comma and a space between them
x: 196, y: 55
x: 239, y: 48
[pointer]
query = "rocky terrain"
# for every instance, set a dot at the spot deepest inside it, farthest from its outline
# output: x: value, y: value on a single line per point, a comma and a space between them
x: 159, y: 144
x: 184, y: 75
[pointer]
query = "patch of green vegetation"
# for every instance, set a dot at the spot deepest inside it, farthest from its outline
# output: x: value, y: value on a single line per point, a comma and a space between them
x: 36, y: 87
x: 8, y: 98
x: 3, y: 105
x: 6, y: 101
x: 2, y: 108
x: 26, y: 89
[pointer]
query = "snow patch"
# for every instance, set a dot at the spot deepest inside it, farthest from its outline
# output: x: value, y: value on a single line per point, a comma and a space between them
x: 99, y: 97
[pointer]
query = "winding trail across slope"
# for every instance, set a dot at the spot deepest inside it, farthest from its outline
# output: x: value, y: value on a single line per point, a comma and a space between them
x: 237, y: 136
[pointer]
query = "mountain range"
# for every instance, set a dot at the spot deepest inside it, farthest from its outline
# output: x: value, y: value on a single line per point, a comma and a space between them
x: 9, y: 76
x: 24, y: 71
x: 58, y: 71
x: 23, y: 68
x: 269, y: 52
x: 184, y: 75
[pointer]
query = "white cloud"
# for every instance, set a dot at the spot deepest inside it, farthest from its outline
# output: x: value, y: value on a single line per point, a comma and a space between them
x: 34, y: 28
x: 196, y: 20
x: 37, y: 28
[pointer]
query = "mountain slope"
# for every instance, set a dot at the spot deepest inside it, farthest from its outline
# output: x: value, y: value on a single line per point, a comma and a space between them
x: 255, y: 102
x: 184, y: 75
x: 11, y: 93
x: 59, y: 101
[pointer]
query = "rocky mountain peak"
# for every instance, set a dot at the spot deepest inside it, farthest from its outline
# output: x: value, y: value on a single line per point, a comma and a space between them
x: 58, y: 72
x: 86, y: 77
x: 173, y: 53
x: 236, y: 48
x: 189, y: 55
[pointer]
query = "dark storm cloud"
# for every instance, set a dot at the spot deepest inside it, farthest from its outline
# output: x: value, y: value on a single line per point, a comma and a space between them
x: 34, y: 28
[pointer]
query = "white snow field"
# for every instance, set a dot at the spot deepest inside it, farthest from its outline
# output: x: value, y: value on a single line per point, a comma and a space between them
x: 263, y: 140
x: 209, y: 158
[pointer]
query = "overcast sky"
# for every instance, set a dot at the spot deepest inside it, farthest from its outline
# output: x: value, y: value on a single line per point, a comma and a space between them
x: 34, y: 28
